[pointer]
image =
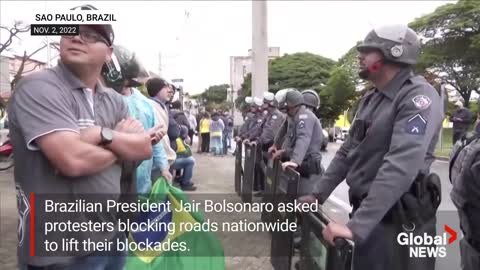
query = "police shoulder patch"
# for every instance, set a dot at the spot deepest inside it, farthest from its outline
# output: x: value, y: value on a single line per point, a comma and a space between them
x: 301, y: 124
x: 416, y: 125
x: 421, y: 102
x: 274, y: 116
x: 303, y: 116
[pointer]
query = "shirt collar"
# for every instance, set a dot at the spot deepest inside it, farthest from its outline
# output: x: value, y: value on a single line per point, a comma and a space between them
x: 400, y: 78
x: 73, y: 81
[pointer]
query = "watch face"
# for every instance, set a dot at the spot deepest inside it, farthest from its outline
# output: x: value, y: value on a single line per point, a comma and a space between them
x: 107, y: 135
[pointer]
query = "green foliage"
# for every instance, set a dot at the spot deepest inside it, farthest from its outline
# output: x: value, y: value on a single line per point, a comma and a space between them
x: 452, y: 45
x: 349, y: 61
x: 336, y: 96
x: 298, y: 70
x: 214, y: 97
x: 245, y: 91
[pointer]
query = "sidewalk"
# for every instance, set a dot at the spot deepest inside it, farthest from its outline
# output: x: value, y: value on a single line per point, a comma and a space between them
x: 215, y: 175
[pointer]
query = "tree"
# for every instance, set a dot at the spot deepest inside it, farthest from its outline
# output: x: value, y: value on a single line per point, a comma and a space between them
x: 451, y: 48
x: 214, y: 97
x: 349, y: 62
x: 12, y: 33
x: 299, y: 70
x: 21, y: 70
x: 245, y: 90
x: 336, y: 96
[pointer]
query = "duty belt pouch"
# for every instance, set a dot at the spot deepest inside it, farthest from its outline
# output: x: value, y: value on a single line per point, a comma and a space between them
x: 304, y: 169
x: 420, y: 204
x: 310, y: 166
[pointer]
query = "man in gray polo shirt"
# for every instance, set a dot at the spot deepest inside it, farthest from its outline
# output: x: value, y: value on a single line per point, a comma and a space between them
x: 70, y: 136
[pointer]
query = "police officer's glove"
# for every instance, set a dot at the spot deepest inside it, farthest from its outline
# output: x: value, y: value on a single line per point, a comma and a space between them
x: 287, y: 164
x: 253, y: 143
x: 246, y: 141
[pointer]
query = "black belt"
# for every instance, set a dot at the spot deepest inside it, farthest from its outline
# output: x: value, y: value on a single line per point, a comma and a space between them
x: 355, y: 202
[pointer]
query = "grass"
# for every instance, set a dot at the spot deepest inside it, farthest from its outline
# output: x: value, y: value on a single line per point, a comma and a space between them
x: 445, y: 145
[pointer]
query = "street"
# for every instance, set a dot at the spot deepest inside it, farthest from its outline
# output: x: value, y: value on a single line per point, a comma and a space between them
x: 214, y: 175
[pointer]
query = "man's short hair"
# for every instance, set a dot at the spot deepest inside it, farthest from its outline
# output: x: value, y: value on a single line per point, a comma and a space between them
x: 154, y: 85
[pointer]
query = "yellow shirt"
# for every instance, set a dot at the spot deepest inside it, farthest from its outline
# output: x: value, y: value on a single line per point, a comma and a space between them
x: 205, y: 126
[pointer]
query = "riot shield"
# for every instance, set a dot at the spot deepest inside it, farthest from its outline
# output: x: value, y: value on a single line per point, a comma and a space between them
x: 248, y: 173
x: 270, y: 171
x: 238, y: 168
x: 282, y: 242
x: 316, y: 253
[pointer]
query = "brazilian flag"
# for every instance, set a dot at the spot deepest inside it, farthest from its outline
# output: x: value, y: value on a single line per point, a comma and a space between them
x: 204, y: 250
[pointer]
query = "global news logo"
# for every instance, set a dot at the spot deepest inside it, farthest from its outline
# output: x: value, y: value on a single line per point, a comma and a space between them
x: 427, y: 246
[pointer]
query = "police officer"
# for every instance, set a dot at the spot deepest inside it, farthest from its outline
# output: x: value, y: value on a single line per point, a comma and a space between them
x: 464, y: 174
x: 303, y: 142
x: 311, y: 99
x: 257, y: 120
x: 389, y: 148
x: 247, y: 121
x: 279, y: 145
x: 273, y: 120
x: 265, y: 135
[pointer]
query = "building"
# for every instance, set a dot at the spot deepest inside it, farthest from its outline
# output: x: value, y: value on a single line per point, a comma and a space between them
x: 9, y: 65
x: 240, y: 66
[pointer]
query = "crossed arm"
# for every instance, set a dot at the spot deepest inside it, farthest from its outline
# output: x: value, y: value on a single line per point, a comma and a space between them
x: 83, y: 155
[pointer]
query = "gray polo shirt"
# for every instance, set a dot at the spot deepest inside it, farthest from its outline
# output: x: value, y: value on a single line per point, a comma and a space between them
x: 44, y: 102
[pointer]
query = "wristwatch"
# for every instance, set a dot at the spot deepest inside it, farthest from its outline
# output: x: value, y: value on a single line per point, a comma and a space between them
x: 106, y: 135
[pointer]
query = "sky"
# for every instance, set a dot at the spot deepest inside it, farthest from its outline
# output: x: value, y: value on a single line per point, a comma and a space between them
x: 197, y: 38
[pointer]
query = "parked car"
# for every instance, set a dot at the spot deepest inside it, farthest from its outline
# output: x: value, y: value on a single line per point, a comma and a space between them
x: 331, y: 133
x: 340, y: 134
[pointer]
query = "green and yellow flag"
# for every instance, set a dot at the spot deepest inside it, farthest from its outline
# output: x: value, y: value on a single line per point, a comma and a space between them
x: 195, y: 250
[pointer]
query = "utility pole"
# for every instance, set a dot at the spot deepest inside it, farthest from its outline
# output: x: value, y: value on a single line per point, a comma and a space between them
x: 259, y: 48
